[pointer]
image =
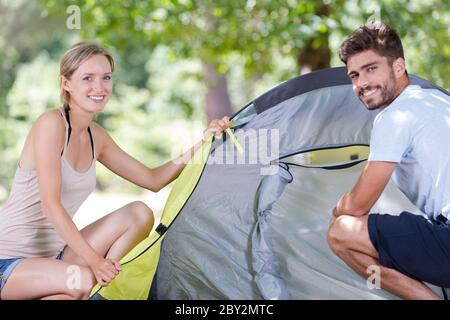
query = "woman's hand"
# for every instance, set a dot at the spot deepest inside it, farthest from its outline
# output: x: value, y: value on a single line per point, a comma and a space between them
x: 216, y: 127
x: 105, y: 270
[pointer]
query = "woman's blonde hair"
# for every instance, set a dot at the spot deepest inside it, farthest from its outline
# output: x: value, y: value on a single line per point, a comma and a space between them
x: 72, y: 60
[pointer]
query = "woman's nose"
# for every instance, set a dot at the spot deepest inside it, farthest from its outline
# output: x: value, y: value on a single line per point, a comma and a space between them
x: 97, y: 85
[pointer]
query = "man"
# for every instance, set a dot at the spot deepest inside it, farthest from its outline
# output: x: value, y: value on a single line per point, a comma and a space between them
x: 411, y: 141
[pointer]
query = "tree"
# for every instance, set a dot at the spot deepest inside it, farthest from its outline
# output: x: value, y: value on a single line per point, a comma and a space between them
x: 23, y: 34
x: 212, y: 33
x: 208, y: 30
x: 211, y: 30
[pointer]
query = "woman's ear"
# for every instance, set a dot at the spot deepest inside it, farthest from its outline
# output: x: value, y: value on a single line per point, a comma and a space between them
x: 65, y: 83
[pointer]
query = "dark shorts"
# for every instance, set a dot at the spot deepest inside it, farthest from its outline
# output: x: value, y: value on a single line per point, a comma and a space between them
x: 8, y: 265
x: 412, y: 245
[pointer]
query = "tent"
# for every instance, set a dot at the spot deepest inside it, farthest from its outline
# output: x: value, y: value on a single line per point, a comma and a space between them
x: 253, y: 225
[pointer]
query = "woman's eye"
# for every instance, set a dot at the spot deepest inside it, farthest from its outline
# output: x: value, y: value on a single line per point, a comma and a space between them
x: 107, y: 78
x: 87, y: 78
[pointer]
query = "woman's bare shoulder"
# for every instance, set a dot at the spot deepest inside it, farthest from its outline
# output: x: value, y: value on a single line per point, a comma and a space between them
x: 97, y: 128
x: 50, y: 130
x: 101, y: 136
x: 99, y: 132
x: 51, y: 120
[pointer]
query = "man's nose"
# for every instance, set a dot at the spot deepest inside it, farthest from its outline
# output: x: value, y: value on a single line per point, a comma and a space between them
x: 362, y: 82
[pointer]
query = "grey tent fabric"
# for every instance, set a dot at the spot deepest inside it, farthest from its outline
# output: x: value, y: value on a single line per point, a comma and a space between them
x: 255, y: 226
x: 308, y: 266
x: 265, y: 266
x: 207, y: 256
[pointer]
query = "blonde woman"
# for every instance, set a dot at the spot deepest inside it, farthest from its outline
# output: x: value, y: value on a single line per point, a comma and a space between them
x: 40, y: 246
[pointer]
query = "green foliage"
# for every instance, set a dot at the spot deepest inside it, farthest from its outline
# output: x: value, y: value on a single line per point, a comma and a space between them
x: 212, y: 30
x: 29, y: 100
x: 209, y: 30
x: 161, y: 45
x: 24, y: 35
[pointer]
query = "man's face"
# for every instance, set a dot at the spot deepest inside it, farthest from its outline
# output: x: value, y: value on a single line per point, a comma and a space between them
x: 373, y: 79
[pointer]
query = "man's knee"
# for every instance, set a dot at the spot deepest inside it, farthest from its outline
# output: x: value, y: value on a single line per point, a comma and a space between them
x: 339, y: 235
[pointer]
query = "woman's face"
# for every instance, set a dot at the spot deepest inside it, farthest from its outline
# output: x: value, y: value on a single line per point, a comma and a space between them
x: 90, y: 86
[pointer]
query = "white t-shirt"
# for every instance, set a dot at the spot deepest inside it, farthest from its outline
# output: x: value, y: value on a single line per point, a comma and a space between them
x: 414, y: 131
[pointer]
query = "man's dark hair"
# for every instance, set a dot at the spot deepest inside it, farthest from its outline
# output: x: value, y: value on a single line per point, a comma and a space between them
x: 376, y: 36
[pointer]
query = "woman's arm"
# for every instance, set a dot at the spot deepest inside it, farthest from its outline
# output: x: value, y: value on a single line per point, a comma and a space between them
x: 47, y: 148
x: 124, y: 165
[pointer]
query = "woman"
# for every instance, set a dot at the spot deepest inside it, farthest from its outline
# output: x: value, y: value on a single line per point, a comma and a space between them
x: 42, y: 253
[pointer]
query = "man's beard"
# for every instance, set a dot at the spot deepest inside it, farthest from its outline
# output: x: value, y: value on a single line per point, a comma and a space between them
x: 387, y: 93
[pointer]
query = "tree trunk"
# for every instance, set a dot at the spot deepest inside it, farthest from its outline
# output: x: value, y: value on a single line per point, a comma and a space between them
x: 314, y: 57
x: 311, y: 58
x: 217, y: 98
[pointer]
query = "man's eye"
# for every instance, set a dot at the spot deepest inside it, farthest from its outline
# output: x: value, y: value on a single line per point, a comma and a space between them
x: 371, y: 69
x: 353, y: 77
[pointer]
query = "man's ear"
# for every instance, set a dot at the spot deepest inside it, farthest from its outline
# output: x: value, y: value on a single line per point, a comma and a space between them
x: 64, y: 83
x: 399, y: 67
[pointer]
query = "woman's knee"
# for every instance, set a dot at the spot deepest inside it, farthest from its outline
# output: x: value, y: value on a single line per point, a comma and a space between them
x: 80, y: 286
x: 142, y: 214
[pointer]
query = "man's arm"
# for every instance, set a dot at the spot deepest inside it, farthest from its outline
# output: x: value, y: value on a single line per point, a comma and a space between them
x: 365, y: 193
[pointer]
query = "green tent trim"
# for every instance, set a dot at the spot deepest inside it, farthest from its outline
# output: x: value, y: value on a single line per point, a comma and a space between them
x: 139, y: 265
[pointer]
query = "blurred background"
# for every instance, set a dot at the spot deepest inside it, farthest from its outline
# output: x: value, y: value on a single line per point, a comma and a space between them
x: 181, y: 63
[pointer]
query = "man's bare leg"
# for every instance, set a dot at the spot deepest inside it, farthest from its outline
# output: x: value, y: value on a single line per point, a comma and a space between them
x: 348, y: 237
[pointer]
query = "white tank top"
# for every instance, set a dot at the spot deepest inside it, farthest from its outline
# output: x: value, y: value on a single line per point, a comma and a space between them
x: 24, y: 230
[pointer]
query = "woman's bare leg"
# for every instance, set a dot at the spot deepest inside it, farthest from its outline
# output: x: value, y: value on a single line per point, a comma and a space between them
x: 41, y: 278
x: 117, y: 233
x: 111, y: 236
